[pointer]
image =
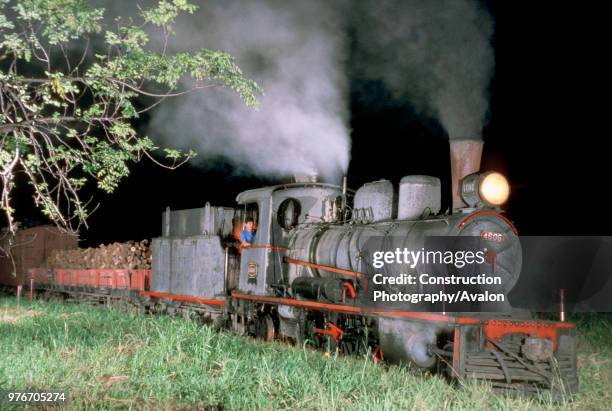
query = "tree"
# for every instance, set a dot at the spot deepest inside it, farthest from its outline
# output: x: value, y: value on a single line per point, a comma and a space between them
x: 67, y: 109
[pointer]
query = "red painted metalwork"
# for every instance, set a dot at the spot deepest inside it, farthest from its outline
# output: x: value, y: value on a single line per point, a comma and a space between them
x: 324, y: 268
x: 87, y: 278
x: 114, y: 278
x: 456, y: 351
x: 332, y: 330
x: 270, y: 247
x: 491, y: 258
x: 178, y: 297
x: 349, y: 289
x: 497, y: 329
x: 378, y: 355
x: 104, y: 278
x: 140, y: 279
x: 349, y: 309
x: 63, y: 276
x: 298, y: 303
x: 495, y: 213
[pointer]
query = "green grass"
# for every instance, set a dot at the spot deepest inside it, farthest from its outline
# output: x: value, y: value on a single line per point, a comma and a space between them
x: 108, y: 359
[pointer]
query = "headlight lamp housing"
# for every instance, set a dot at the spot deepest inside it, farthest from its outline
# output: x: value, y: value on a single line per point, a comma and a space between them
x: 490, y: 189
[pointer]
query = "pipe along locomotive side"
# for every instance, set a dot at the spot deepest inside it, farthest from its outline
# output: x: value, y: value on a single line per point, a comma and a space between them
x: 303, y: 279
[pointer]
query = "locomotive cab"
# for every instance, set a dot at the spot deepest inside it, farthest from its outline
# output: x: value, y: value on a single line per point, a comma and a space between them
x: 281, y: 209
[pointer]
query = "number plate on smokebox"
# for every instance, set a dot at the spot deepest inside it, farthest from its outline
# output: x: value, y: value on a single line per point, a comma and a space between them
x: 492, y: 236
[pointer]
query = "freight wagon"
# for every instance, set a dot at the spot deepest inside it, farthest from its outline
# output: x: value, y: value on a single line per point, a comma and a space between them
x: 29, y: 248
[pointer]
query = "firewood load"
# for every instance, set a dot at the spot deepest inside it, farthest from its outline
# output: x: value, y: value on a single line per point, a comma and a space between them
x: 130, y: 255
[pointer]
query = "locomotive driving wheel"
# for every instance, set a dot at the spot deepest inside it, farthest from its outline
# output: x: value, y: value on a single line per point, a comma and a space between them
x: 265, y: 327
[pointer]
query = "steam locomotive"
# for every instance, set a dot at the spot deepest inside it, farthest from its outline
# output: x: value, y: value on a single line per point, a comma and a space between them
x: 304, y: 278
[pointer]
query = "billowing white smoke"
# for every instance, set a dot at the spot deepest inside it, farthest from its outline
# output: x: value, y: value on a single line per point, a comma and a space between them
x: 436, y: 53
x: 296, y: 52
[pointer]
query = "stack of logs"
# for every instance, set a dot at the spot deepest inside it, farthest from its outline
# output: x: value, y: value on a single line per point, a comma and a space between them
x: 130, y: 255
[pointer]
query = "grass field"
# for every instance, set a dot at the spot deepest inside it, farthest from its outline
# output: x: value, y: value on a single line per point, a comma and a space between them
x: 108, y: 359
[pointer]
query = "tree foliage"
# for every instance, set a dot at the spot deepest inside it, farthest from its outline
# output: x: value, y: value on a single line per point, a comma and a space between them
x: 71, y: 88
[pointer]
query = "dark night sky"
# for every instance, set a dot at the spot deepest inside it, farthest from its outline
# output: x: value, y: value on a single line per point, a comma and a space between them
x: 541, y: 133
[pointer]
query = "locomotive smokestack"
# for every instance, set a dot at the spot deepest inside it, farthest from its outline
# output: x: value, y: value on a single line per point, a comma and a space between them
x: 465, y: 155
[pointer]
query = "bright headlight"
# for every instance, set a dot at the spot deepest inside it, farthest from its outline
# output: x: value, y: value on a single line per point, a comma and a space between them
x: 490, y: 188
x: 494, y: 189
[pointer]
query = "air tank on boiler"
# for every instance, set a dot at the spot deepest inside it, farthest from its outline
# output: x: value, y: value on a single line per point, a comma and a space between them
x: 419, y: 197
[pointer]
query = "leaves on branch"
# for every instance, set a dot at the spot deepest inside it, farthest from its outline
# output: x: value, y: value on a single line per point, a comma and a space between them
x: 66, y: 107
